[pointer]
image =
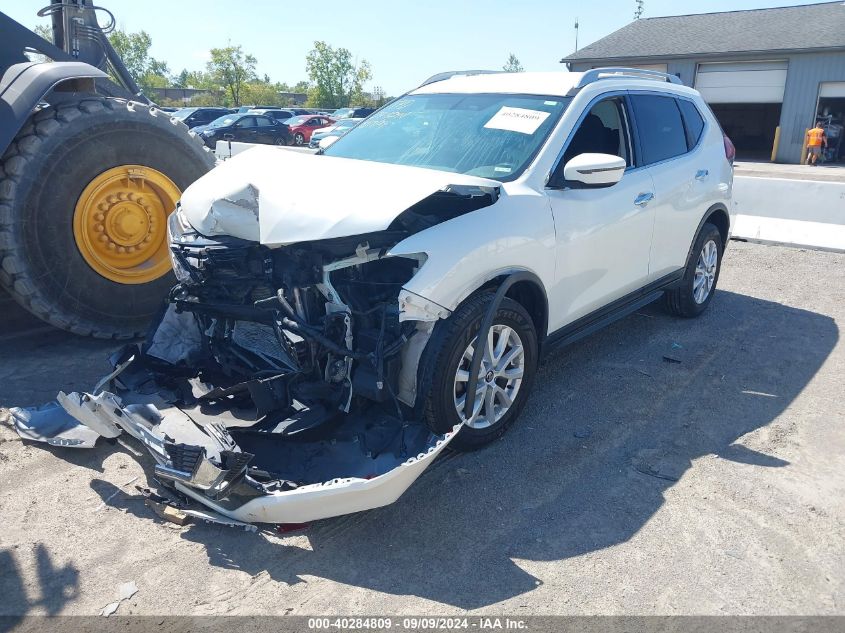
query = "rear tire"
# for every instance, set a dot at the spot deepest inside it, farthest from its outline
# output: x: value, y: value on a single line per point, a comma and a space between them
x: 698, y: 286
x: 43, y: 174
x: 445, y: 355
x: 299, y: 139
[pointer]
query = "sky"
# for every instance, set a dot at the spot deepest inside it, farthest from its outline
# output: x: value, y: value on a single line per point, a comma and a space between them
x: 405, y: 42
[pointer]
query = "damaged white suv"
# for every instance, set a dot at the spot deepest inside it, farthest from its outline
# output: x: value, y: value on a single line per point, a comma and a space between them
x: 340, y: 318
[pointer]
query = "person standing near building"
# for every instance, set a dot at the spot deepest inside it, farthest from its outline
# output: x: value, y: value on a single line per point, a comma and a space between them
x: 815, y: 139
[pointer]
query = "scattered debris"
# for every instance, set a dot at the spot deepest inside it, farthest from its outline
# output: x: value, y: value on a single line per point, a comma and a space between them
x: 644, y: 372
x: 284, y: 528
x: 124, y: 592
x: 671, y: 359
x: 114, y: 494
x: 167, y: 512
x: 583, y: 432
x: 213, y: 517
x: 127, y: 590
x: 647, y: 469
x: 110, y: 608
x: 677, y: 346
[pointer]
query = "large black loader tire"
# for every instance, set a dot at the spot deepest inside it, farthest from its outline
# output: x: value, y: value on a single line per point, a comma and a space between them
x: 85, y: 189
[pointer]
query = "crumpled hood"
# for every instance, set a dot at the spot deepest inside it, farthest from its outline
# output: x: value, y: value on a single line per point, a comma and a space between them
x: 276, y: 196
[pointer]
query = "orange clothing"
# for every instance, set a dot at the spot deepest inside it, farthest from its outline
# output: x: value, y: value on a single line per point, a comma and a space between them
x: 814, y: 137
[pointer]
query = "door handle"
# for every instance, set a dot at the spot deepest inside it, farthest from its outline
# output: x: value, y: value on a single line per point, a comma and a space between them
x: 643, y: 199
x: 701, y: 174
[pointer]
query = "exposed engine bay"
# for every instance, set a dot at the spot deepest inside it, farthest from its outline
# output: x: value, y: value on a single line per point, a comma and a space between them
x: 271, y: 370
x: 278, y: 384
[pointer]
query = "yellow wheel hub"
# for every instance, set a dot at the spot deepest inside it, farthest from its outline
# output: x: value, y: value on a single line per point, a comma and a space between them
x: 120, y: 223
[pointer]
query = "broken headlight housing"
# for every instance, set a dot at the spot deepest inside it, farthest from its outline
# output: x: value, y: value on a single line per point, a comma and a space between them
x: 180, y: 231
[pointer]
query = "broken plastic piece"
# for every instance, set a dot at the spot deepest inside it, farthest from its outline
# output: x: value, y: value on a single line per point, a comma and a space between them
x: 52, y: 424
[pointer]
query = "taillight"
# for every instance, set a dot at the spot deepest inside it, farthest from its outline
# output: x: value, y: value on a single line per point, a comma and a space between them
x: 730, y: 150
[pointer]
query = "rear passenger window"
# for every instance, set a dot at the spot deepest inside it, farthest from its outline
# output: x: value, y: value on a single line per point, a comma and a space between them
x: 659, y: 127
x: 693, y: 123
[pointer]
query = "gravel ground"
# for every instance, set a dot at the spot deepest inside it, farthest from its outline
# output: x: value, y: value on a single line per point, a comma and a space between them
x: 631, y: 485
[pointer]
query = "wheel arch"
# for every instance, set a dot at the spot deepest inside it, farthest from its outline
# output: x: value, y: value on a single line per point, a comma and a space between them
x: 24, y: 85
x: 529, y: 292
x: 718, y: 216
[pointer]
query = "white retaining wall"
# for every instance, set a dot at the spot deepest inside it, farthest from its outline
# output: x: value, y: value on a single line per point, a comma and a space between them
x: 794, y: 212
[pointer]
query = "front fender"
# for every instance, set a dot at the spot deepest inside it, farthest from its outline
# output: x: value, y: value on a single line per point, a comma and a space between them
x: 24, y: 85
x: 514, y: 234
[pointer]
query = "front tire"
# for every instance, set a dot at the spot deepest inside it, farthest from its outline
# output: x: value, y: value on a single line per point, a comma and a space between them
x: 85, y: 189
x: 506, y: 375
x: 698, y: 286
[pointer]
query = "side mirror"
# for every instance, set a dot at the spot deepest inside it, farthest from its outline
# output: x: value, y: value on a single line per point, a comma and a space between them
x: 593, y: 170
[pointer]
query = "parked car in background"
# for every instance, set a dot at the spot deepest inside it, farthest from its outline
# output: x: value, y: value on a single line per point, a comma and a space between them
x: 245, y: 128
x: 352, y: 113
x: 302, y: 127
x: 325, y: 136
x: 246, y: 108
x: 280, y: 114
x: 194, y: 117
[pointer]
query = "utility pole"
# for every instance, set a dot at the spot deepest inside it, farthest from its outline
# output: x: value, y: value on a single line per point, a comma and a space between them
x: 576, y: 34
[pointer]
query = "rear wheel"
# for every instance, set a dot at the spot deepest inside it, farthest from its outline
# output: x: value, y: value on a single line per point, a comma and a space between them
x: 85, y: 191
x: 299, y: 139
x: 505, y: 376
x: 696, y: 290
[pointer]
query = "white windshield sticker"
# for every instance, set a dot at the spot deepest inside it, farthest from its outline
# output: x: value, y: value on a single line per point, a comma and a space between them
x: 517, y: 120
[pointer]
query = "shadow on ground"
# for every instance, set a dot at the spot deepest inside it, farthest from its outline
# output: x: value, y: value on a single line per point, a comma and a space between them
x: 611, y: 426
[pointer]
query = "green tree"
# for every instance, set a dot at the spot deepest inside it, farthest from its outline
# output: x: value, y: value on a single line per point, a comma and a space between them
x: 512, y: 65
x: 134, y: 50
x: 337, y: 81
x: 232, y: 69
x: 181, y: 80
x: 262, y: 93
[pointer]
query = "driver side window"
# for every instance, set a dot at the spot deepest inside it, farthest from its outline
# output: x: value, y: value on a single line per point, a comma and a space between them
x: 603, y: 131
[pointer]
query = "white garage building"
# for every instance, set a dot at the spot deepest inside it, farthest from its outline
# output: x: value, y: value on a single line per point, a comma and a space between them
x: 759, y: 70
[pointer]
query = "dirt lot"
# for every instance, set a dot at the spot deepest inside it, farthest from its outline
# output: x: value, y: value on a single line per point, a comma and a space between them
x: 631, y: 485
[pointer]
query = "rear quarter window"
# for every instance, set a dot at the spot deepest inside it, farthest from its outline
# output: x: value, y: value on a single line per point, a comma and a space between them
x: 693, y: 122
x: 659, y: 127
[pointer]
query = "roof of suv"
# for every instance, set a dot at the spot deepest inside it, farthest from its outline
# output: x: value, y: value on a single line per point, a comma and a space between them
x: 536, y: 83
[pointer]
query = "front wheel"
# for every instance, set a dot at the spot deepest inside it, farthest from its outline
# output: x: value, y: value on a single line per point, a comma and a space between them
x: 698, y: 286
x: 505, y: 375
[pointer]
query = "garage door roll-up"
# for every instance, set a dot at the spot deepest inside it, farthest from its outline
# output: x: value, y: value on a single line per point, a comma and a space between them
x: 742, y: 82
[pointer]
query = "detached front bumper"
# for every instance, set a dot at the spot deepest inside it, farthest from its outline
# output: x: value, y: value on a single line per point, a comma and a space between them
x: 232, y: 491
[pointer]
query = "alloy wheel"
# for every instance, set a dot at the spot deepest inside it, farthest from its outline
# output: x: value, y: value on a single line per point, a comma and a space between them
x: 499, y: 377
x: 705, y: 272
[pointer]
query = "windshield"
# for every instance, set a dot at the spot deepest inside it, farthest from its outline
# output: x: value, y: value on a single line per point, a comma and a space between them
x: 488, y: 135
x: 297, y: 120
x: 342, y: 113
x: 224, y: 121
x: 183, y: 113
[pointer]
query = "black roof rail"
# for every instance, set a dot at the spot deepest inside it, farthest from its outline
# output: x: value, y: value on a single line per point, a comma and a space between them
x: 453, y: 73
x: 598, y: 74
